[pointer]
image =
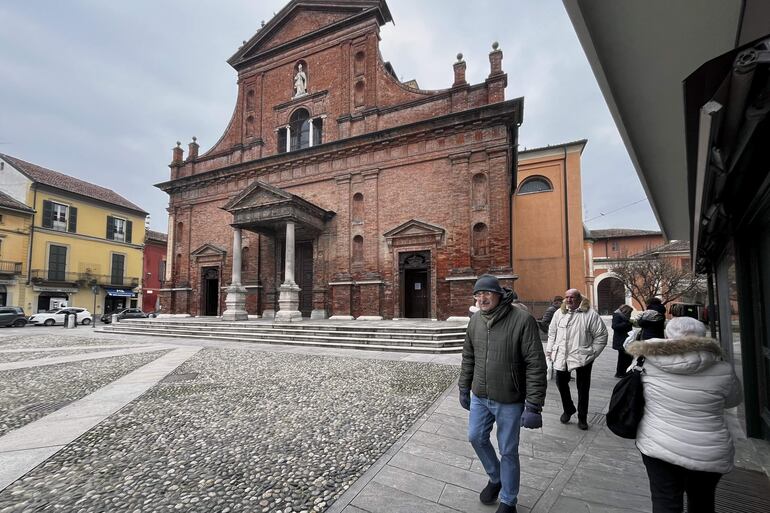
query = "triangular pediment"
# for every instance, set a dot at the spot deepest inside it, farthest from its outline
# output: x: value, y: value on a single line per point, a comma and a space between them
x: 300, y: 19
x: 209, y: 250
x: 414, y: 228
x: 258, y: 194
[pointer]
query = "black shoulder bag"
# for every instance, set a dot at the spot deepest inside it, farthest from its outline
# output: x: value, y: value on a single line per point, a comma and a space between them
x: 627, y: 403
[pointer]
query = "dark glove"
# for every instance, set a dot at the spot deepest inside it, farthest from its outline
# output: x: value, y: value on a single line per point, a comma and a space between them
x: 465, y: 398
x: 531, y: 418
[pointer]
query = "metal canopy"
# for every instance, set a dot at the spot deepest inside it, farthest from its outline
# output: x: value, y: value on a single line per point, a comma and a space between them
x: 640, y: 53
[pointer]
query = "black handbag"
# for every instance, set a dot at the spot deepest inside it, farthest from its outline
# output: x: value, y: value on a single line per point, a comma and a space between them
x: 627, y: 403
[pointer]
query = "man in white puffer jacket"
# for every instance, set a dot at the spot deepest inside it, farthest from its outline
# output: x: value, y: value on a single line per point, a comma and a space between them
x: 683, y: 436
x: 576, y: 337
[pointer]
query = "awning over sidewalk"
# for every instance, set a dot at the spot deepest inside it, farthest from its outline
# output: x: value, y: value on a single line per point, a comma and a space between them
x: 112, y: 291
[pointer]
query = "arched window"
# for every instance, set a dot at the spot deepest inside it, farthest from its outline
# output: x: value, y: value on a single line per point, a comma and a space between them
x: 250, y: 126
x: 359, y: 63
x: 480, y: 240
x: 535, y: 184
x: 299, y: 125
x: 358, y: 208
x: 479, y: 190
x: 358, y: 249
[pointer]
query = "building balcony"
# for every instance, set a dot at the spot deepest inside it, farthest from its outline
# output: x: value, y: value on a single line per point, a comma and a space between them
x: 49, y: 276
x: 10, y: 268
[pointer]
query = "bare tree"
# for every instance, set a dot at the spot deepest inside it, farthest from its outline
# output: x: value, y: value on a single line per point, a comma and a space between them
x: 652, y: 276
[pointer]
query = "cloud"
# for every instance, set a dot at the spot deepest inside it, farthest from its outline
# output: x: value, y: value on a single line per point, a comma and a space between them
x: 103, y: 90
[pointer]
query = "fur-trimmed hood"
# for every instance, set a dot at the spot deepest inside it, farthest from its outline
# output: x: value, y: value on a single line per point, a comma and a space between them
x: 584, y: 305
x: 679, y: 356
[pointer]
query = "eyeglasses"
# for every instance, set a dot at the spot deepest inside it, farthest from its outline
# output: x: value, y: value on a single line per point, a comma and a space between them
x: 483, y: 293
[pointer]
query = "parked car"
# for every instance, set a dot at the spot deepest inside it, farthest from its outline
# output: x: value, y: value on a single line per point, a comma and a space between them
x: 128, y: 313
x: 57, y: 317
x: 12, y: 316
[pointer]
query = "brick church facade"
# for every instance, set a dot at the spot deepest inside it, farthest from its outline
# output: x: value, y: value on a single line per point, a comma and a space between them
x: 338, y: 191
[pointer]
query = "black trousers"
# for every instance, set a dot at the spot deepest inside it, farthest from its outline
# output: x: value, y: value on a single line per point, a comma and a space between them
x: 624, y: 361
x: 668, y: 483
x: 583, y: 381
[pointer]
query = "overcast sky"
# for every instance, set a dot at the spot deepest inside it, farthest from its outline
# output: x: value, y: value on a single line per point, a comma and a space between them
x: 102, y: 90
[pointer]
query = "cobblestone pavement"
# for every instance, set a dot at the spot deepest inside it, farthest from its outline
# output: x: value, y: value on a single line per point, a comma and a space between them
x: 31, y: 393
x: 265, y: 428
x: 237, y: 430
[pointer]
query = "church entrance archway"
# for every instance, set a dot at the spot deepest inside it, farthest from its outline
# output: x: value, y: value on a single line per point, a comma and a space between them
x: 210, y: 291
x: 414, y: 270
x: 611, y: 294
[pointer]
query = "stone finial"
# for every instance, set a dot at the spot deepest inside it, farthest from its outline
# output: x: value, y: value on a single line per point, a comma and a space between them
x: 193, y: 149
x: 459, y: 68
x: 495, y: 60
x: 177, y: 154
x: 262, y: 24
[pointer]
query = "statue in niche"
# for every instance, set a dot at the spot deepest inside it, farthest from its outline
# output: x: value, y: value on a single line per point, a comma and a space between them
x: 300, y: 82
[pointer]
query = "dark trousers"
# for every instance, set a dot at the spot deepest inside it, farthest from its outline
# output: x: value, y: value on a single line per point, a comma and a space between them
x: 583, y: 379
x: 668, y: 483
x: 624, y: 361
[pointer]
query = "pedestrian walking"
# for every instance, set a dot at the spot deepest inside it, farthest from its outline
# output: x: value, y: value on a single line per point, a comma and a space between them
x: 576, y: 337
x: 652, y: 320
x: 621, y: 327
x: 502, y: 381
x: 545, y: 322
x: 685, y: 444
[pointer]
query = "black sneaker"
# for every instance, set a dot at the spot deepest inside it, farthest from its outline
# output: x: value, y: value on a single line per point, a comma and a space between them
x: 490, y: 492
x: 567, y: 415
x: 505, y: 508
x: 582, y: 424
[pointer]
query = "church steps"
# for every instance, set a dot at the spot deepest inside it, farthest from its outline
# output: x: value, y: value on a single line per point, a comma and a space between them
x: 438, y: 339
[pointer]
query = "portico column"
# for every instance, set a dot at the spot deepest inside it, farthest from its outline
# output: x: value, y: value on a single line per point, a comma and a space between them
x: 235, y: 304
x: 288, y: 299
x: 237, y: 256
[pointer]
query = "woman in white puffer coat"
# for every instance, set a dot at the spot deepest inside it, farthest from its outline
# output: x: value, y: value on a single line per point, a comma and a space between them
x: 683, y: 436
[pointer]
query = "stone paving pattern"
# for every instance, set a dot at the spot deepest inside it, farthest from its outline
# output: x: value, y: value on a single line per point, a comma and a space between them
x: 31, y: 393
x: 234, y: 430
x: 357, y: 431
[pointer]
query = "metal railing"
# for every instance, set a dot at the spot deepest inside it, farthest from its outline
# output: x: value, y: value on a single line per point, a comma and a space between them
x: 82, y: 279
x: 8, y: 267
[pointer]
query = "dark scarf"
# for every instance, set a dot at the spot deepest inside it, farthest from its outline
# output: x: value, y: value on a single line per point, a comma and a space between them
x: 501, y: 310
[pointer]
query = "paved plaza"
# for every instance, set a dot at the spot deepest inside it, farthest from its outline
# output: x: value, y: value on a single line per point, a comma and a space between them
x: 94, y: 422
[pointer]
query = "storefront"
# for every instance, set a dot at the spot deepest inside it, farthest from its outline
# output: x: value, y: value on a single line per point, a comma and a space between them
x: 51, y: 298
x: 116, y: 299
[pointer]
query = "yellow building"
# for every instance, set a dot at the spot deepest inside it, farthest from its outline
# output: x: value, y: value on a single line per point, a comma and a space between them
x: 85, y: 244
x: 15, y: 227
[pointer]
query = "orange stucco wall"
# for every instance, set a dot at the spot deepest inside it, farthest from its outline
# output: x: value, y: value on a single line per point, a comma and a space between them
x: 543, y: 221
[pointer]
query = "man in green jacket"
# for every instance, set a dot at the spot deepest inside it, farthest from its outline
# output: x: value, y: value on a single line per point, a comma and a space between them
x: 502, y: 380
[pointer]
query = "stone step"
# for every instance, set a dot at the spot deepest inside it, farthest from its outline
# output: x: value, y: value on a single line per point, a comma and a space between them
x: 414, y: 346
x: 353, y: 326
x: 290, y: 330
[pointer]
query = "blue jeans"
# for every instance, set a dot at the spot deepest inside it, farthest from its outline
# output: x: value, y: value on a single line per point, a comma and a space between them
x: 506, y: 469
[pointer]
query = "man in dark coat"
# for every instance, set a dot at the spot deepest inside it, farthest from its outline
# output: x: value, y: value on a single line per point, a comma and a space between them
x: 502, y: 380
x: 545, y: 322
x: 653, y: 320
x: 621, y: 327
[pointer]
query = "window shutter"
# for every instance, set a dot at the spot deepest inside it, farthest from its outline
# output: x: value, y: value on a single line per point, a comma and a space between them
x: 129, y: 225
x: 47, y: 214
x: 72, y: 225
x: 110, y: 228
